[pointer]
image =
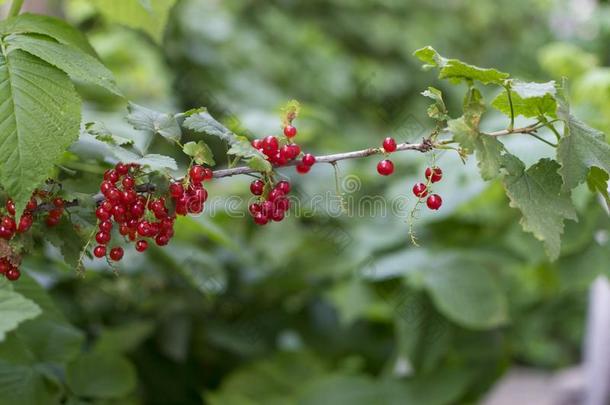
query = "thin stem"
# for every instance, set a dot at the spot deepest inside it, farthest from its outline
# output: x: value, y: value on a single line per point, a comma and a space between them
x: 543, y: 140
x: 15, y: 8
x: 512, y: 108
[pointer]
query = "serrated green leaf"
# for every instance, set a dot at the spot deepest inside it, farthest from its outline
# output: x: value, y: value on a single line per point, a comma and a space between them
x: 55, y: 28
x: 150, y: 16
x: 438, y: 110
x: 39, y: 119
x: 25, y: 385
x: 76, y: 63
x: 68, y: 241
x: 581, y: 148
x: 152, y: 123
x: 202, y: 122
x: 15, y: 309
x: 101, y: 133
x: 538, y: 194
x: 101, y: 375
x: 597, y: 181
x: 456, y: 70
x: 152, y: 160
x: 529, y: 99
x: 254, y: 158
x: 200, y: 152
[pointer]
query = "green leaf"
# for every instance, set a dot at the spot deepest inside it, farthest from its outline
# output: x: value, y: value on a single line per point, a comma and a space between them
x: 14, y: 309
x: 351, y: 299
x: 581, y: 148
x: 456, y: 70
x: 25, y: 385
x: 101, y: 375
x: 538, y: 194
x: 254, y: 158
x: 39, y: 119
x: 152, y: 123
x: 200, y: 152
x: 152, y: 160
x: 123, y: 338
x: 438, y: 110
x: 68, y: 241
x: 201, y: 121
x: 150, y: 16
x: 597, y: 181
x: 52, y: 27
x: 529, y: 99
x: 76, y: 63
x: 488, y: 149
x: 101, y: 133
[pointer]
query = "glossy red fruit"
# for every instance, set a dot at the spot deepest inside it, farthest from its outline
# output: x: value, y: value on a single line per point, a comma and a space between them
x: 176, y: 190
x: 4, y: 266
x: 9, y: 223
x: 290, y: 131
x: 434, y: 174
x: 111, y: 176
x: 13, y: 274
x: 420, y: 190
x: 58, y: 202
x: 270, y: 144
x: 286, y: 153
x: 385, y: 167
x: 116, y: 253
x: 121, y: 168
x: 434, y: 202
x: 257, y: 143
x: 5, y: 233
x: 102, y: 214
x: 389, y: 144
x: 303, y: 169
x: 196, y: 174
x: 284, y: 186
x: 162, y: 240
x: 260, y: 218
x: 141, y: 245
x: 208, y: 174
x: 10, y: 207
x: 25, y: 223
x: 128, y: 182
x: 275, y: 194
x: 106, y: 186
x: 99, y: 251
x: 105, y: 226
x: 295, y: 150
x: 102, y: 237
x: 277, y: 215
x: 52, y: 221
x: 32, y: 204
x: 257, y: 187
x: 254, y: 208
x: 309, y: 159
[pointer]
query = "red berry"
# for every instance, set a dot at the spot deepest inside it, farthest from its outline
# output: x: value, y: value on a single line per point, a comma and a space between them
x: 389, y: 144
x: 137, y: 210
x: 282, y: 203
x: 275, y: 194
x: 129, y: 196
x: 113, y: 195
x: 309, y: 159
x: 102, y: 214
x: 385, y: 167
x: 9, y: 223
x: 434, y: 202
x: 141, y: 245
x: 144, y: 229
x: 13, y: 274
x: 4, y: 266
x: 5, y: 233
x: 99, y: 251
x: 302, y: 169
x: 52, y: 221
x: 105, y: 226
x: 122, y: 169
x: 257, y: 187
x: 25, y: 223
x: 116, y: 253
x: 102, y: 237
x: 284, y: 186
x: 32, y: 204
x: 277, y: 215
x: 434, y: 174
x: 112, y: 176
x: 196, y: 174
x: 176, y: 190
x: 254, y: 209
x: 270, y: 144
x: 208, y: 174
x: 290, y: 131
x: 58, y: 202
x: 162, y: 240
x: 128, y: 182
x: 295, y: 150
x: 260, y: 218
x: 257, y: 143
x: 10, y: 207
x: 420, y: 190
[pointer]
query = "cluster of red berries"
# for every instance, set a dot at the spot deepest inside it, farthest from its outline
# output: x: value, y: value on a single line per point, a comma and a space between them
x: 273, y: 206
x: 433, y: 175
x: 190, y: 198
x: 386, y: 167
x: 9, y: 270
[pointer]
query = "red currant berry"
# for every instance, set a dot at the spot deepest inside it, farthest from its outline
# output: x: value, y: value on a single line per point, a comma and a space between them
x: 102, y: 214
x: 434, y: 174
x: 58, y: 202
x: 128, y: 182
x: 389, y: 144
x: 4, y: 266
x: 420, y: 190
x: 196, y: 174
x: 208, y: 174
x: 10, y: 207
x: 105, y: 226
x: 141, y: 245
x: 260, y: 218
x: 290, y: 131
x: 270, y: 144
x: 52, y: 221
x: 32, y: 204
x: 385, y: 167
x: 13, y: 274
x: 102, y: 237
x: 116, y: 254
x: 121, y: 168
x: 277, y: 215
x: 112, y: 176
x: 162, y: 240
x: 176, y: 190
x: 25, y: 223
x: 434, y: 202
x: 303, y: 169
x: 9, y: 223
x: 295, y: 150
x: 254, y: 209
x: 113, y: 195
x: 309, y: 159
x: 284, y: 186
x: 5, y: 233
x: 257, y: 187
x: 275, y: 194
x: 257, y: 143
x: 99, y: 251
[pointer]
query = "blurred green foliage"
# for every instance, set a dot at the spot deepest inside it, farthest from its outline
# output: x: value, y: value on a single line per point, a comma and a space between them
x: 322, y: 309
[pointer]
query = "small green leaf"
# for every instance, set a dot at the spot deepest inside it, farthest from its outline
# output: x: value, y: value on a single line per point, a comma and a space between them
x: 101, y: 375
x: 152, y: 160
x: 101, y: 133
x: 456, y: 70
x: 597, y: 181
x: 68, y: 241
x: 581, y: 148
x: 202, y: 122
x: 529, y: 99
x: 76, y: 63
x: 14, y: 309
x: 438, y: 110
x: 538, y: 194
x: 152, y: 123
x: 200, y: 152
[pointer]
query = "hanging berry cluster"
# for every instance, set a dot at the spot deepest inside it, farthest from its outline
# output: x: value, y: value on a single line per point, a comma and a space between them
x: 433, y: 175
x: 140, y: 216
x: 386, y: 167
x: 273, y: 205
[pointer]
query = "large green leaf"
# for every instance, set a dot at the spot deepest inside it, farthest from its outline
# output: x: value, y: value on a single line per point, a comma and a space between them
x: 39, y: 119
x: 14, y: 309
x: 76, y: 63
x: 529, y: 99
x: 150, y: 16
x: 538, y: 194
x: 55, y: 28
x: 152, y: 123
x: 101, y: 375
x: 456, y: 70
x: 581, y: 148
x: 24, y: 385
